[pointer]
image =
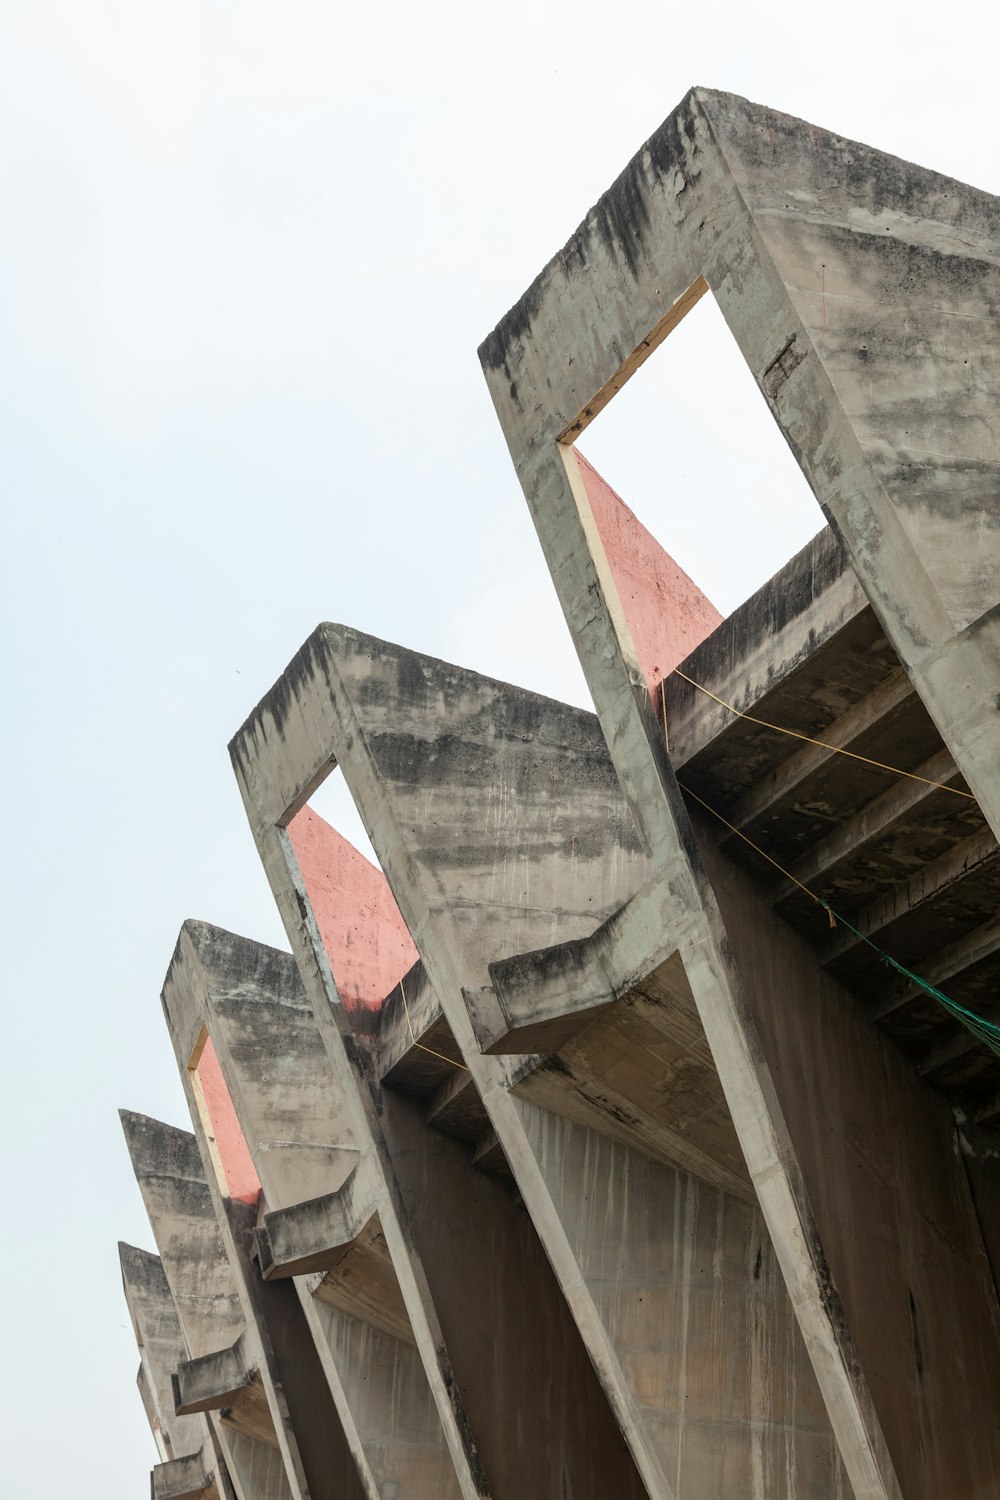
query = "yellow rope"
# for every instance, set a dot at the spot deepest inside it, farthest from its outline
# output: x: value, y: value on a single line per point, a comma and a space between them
x: 822, y: 744
x: 756, y: 847
x: 430, y: 1050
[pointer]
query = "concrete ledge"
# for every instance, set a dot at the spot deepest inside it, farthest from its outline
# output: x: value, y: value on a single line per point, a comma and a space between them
x: 542, y: 999
x: 308, y: 1236
x: 213, y: 1381
x: 181, y: 1479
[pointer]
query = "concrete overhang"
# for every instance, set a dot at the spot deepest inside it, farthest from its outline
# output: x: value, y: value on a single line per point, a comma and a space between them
x: 182, y: 1479
x: 309, y: 1236
x: 213, y: 1381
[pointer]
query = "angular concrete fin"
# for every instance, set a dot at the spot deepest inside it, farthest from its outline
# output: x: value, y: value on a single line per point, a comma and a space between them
x: 157, y: 1148
x: 250, y: 999
x: 213, y: 1381
x: 667, y: 613
x: 161, y: 1346
x: 877, y: 256
x: 169, y: 1172
x: 205, y: 955
x: 474, y: 790
x: 364, y: 935
x: 864, y: 294
x: 304, y: 1238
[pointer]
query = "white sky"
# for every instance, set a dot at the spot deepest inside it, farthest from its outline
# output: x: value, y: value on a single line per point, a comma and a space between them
x: 247, y: 255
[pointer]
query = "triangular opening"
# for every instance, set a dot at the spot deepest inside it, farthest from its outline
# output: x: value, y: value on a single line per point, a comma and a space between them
x: 367, y: 942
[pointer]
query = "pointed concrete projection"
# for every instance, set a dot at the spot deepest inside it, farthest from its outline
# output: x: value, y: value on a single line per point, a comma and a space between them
x: 271, y: 1362
x: 485, y: 1270
x: 357, y: 1396
x: 171, y: 1178
x: 864, y: 293
x: 498, y: 820
x: 190, y: 1462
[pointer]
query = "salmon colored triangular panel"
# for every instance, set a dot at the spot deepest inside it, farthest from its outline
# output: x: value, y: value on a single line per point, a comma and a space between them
x: 366, y: 940
x: 233, y: 1153
x: 667, y: 614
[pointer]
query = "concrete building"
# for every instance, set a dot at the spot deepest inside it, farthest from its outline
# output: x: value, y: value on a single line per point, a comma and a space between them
x: 632, y: 1130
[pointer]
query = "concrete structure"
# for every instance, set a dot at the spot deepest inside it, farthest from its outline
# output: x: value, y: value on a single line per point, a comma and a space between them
x: 591, y: 1147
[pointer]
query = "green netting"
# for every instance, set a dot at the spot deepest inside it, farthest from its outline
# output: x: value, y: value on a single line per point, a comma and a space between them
x: 984, y: 1031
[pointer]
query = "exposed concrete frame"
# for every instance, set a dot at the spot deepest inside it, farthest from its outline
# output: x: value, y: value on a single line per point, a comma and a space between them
x: 487, y: 1274
x: 345, y: 700
x: 182, y: 1216
x: 212, y: 975
x: 373, y: 1164
x: 208, y: 1383
x: 797, y: 234
x: 190, y: 1461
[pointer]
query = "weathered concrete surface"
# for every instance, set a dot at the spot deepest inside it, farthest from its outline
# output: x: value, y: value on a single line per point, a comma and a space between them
x: 169, y: 1171
x: 301, y: 1139
x: 503, y: 832
x: 185, y: 1443
x: 863, y: 294
x: 183, y: 1479
x: 486, y: 1273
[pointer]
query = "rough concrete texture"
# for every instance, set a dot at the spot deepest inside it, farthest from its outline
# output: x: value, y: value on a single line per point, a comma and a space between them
x: 862, y: 292
x: 301, y: 1419
x: 484, y: 1273
x: 503, y: 835
x: 169, y: 1171
x: 185, y: 1443
x: 377, y: 1418
x: 591, y: 1147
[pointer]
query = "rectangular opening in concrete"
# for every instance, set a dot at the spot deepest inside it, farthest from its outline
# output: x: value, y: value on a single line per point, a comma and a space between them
x: 691, y: 446
x: 234, y: 1168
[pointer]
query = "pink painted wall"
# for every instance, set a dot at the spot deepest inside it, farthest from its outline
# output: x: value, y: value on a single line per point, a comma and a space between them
x: 667, y: 613
x: 242, y: 1181
x: 366, y: 939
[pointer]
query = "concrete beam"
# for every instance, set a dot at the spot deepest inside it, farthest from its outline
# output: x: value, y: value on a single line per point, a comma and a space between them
x: 902, y: 800
x: 844, y: 734
x: 976, y: 946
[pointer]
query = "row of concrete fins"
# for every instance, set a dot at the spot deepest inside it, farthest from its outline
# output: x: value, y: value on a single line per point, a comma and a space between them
x: 350, y: 1298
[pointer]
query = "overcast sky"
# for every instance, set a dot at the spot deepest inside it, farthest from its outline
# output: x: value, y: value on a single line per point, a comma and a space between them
x: 247, y: 254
